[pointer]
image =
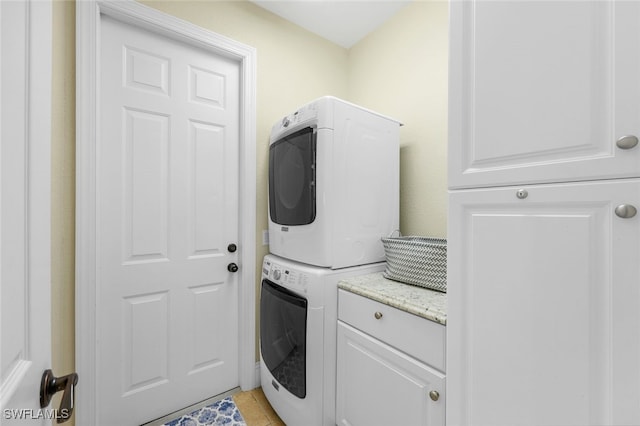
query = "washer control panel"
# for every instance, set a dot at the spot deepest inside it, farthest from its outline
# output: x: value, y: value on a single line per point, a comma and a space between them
x: 279, y: 274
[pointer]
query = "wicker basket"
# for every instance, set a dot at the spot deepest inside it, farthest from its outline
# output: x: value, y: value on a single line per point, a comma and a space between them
x: 418, y: 261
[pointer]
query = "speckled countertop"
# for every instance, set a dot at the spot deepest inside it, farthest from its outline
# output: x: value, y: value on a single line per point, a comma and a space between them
x: 429, y: 304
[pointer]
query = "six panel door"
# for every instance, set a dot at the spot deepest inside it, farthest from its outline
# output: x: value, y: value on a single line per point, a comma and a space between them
x: 167, y: 210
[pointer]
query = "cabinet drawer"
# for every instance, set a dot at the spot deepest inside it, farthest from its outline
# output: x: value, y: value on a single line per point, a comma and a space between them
x: 416, y: 336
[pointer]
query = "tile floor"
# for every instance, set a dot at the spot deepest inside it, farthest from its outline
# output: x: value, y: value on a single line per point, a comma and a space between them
x: 255, y: 409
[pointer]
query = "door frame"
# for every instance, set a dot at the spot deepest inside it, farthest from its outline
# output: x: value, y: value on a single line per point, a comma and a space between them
x: 88, y: 18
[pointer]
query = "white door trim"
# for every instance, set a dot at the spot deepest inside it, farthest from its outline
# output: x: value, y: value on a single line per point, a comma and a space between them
x: 87, y: 134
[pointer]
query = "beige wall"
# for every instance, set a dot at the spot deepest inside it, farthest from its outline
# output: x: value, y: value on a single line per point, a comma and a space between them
x: 400, y: 70
x: 63, y: 188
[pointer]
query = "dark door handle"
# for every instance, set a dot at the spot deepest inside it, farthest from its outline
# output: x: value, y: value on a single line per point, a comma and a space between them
x: 49, y: 385
x: 232, y: 267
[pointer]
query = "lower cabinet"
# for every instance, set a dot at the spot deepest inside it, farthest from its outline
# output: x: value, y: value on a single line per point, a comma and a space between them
x: 544, y: 305
x: 378, y: 384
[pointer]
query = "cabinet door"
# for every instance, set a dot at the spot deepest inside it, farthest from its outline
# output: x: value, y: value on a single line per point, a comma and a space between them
x: 540, y: 91
x: 544, y: 306
x: 378, y: 385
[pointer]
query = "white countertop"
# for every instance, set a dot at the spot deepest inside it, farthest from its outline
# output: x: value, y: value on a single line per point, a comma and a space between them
x: 426, y: 303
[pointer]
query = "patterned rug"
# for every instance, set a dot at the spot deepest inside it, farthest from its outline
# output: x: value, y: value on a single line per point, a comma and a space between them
x: 221, y: 413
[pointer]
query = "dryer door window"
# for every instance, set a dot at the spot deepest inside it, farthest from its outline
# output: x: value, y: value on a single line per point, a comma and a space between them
x: 292, y: 178
x: 283, y: 336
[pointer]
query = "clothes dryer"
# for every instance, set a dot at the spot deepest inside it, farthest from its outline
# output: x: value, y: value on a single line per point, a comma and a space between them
x: 333, y: 184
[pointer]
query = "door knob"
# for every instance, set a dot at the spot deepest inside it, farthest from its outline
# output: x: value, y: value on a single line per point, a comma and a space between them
x: 49, y: 385
x: 626, y: 211
x: 232, y: 267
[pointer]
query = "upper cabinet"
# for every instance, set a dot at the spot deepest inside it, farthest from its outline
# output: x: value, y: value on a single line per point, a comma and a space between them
x: 543, y: 92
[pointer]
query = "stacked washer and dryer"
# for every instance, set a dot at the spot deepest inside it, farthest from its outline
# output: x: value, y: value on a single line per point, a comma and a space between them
x: 333, y: 193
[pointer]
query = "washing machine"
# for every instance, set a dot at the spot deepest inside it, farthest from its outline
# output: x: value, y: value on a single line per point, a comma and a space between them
x: 298, y: 322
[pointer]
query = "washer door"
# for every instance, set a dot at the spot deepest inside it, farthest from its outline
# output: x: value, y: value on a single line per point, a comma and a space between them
x: 283, y: 336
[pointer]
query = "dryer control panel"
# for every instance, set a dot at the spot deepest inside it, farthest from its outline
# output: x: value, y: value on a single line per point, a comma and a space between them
x: 285, y: 277
x: 305, y: 115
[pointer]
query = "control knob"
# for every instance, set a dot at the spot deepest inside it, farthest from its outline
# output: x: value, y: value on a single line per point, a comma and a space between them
x: 277, y: 274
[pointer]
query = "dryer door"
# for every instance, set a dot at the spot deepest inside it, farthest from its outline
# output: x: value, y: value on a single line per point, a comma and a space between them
x: 292, y: 178
x: 283, y: 336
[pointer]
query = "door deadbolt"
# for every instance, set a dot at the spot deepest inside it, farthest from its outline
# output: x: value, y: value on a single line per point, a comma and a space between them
x: 232, y: 248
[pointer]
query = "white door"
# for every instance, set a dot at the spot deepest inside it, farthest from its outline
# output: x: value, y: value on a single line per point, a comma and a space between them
x: 544, y: 306
x: 167, y: 208
x: 541, y: 91
x: 25, y: 323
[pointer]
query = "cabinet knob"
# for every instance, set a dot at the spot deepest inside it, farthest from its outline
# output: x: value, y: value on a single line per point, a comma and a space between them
x: 434, y: 395
x: 522, y: 194
x: 627, y: 142
x: 378, y: 315
x: 626, y: 211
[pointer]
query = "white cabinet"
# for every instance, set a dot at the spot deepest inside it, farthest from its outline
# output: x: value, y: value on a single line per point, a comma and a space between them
x: 544, y: 277
x: 541, y: 91
x: 544, y: 306
x: 385, y: 361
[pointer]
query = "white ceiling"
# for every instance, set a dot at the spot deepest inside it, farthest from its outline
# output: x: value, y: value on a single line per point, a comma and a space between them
x: 344, y: 22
